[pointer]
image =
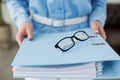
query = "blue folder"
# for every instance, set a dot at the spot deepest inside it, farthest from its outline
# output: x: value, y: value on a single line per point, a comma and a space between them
x: 41, y: 52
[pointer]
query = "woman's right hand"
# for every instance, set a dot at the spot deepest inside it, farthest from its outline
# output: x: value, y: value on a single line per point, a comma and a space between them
x: 25, y: 30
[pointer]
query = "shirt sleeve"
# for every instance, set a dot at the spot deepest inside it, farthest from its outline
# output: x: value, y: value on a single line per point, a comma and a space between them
x: 19, y: 11
x: 98, y: 11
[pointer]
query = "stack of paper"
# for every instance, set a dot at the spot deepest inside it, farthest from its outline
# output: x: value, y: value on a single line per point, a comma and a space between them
x: 88, y: 70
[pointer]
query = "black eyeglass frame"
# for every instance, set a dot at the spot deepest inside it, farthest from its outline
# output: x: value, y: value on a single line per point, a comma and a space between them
x: 57, y: 46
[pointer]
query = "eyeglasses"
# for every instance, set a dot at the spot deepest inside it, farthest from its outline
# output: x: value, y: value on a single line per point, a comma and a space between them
x: 67, y: 43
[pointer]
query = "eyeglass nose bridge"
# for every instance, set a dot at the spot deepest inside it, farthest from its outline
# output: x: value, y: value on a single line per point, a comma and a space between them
x: 74, y: 38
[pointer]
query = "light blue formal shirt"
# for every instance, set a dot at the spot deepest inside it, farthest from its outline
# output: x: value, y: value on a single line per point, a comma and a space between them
x: 57, y: 9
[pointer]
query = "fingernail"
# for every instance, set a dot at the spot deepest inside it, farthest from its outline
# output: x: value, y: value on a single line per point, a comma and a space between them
x: 30, y: 38
x: 96, y: 32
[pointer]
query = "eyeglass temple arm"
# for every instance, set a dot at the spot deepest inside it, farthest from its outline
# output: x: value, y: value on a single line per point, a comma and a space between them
x: 92, y: 36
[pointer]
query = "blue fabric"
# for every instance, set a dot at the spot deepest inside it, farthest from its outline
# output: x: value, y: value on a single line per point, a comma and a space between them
x: 57, y: 9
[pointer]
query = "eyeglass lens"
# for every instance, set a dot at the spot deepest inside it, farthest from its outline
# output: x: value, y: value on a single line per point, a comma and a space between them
x: 81, y: 35
x: 66, y: 44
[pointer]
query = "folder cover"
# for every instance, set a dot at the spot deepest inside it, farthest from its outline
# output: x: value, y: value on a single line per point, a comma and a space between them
x: 41, y: 52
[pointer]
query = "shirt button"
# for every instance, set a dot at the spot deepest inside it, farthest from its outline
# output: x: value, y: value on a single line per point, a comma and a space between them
x: 60, y: 8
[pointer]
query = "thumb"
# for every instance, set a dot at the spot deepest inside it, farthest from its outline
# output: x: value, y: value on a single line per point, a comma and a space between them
x: 30, y: 33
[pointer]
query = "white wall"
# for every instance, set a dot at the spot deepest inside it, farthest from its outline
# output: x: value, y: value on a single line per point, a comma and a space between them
x: 113, y: 1
x: 14, y: 29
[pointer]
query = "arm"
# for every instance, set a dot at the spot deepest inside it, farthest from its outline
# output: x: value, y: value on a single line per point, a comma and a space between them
x: 98, y: 16
x: 98, y: 11
x: 19, y: 11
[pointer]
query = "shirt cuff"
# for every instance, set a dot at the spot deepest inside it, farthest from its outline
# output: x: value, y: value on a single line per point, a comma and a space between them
x: 99, y: 17
x: 22, y: 19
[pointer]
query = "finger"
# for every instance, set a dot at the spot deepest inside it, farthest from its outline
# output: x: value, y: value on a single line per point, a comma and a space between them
x: 30, y: 33
x: 19, y: 39
x: 102, y: 33
x: 95, y: 29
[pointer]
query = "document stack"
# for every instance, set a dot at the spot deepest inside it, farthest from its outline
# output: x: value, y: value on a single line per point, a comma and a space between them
x: 89, y: 59
x: 88, y: 70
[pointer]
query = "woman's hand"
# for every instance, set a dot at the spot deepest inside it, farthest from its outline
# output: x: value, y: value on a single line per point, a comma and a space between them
x: 26, y: 29
x: 98, y: 29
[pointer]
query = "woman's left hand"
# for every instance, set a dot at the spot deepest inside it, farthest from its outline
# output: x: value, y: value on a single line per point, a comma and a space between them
x: 98, y: 29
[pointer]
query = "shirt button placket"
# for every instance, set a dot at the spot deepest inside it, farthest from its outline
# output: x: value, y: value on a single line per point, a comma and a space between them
x: 59, y: 10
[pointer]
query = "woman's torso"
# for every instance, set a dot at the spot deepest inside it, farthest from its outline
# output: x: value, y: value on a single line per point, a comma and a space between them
x: 60, y: 9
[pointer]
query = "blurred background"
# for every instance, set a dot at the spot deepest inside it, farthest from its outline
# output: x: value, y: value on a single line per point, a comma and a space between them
x: 9, y: 47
